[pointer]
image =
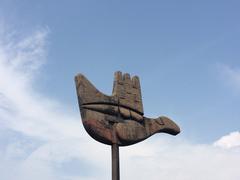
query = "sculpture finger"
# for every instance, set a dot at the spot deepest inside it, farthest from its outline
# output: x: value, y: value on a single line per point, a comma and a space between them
x: 118, y: 83
x: 136, y: 82
x: 126, y: 78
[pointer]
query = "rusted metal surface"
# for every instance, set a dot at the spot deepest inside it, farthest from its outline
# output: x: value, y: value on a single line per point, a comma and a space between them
x: 118, y: 120
x: 123, y: 109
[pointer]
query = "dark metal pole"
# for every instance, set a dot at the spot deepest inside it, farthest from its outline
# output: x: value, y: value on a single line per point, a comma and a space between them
x: 115, y: 162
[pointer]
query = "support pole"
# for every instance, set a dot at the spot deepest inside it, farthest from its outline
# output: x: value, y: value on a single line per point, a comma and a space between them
x: 115, y: 162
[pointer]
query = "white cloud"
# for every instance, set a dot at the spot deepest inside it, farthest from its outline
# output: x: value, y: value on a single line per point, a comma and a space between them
x: 41, y: 139
x: 180, y: 160
x: 231, y: 140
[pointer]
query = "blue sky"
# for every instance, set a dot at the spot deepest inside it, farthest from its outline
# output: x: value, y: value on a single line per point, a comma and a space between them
x: 186, y: 54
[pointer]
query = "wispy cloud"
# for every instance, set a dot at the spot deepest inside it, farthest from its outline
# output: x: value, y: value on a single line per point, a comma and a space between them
x: 41, y: 139
x: 21, y: 107
x: 230, y: 75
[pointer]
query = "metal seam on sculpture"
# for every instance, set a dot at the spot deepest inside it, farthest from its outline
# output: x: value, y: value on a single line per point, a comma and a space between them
x: 113, y: 112
x: 113, y: 104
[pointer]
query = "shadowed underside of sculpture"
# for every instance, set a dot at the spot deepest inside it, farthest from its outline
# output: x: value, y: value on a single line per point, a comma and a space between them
x: 118, y: 119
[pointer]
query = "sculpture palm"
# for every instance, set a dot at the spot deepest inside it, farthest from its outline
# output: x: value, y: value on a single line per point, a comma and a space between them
x: 119, y: 118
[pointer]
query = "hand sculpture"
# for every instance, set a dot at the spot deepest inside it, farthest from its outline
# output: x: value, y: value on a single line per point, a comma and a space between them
x: 118, y: 119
